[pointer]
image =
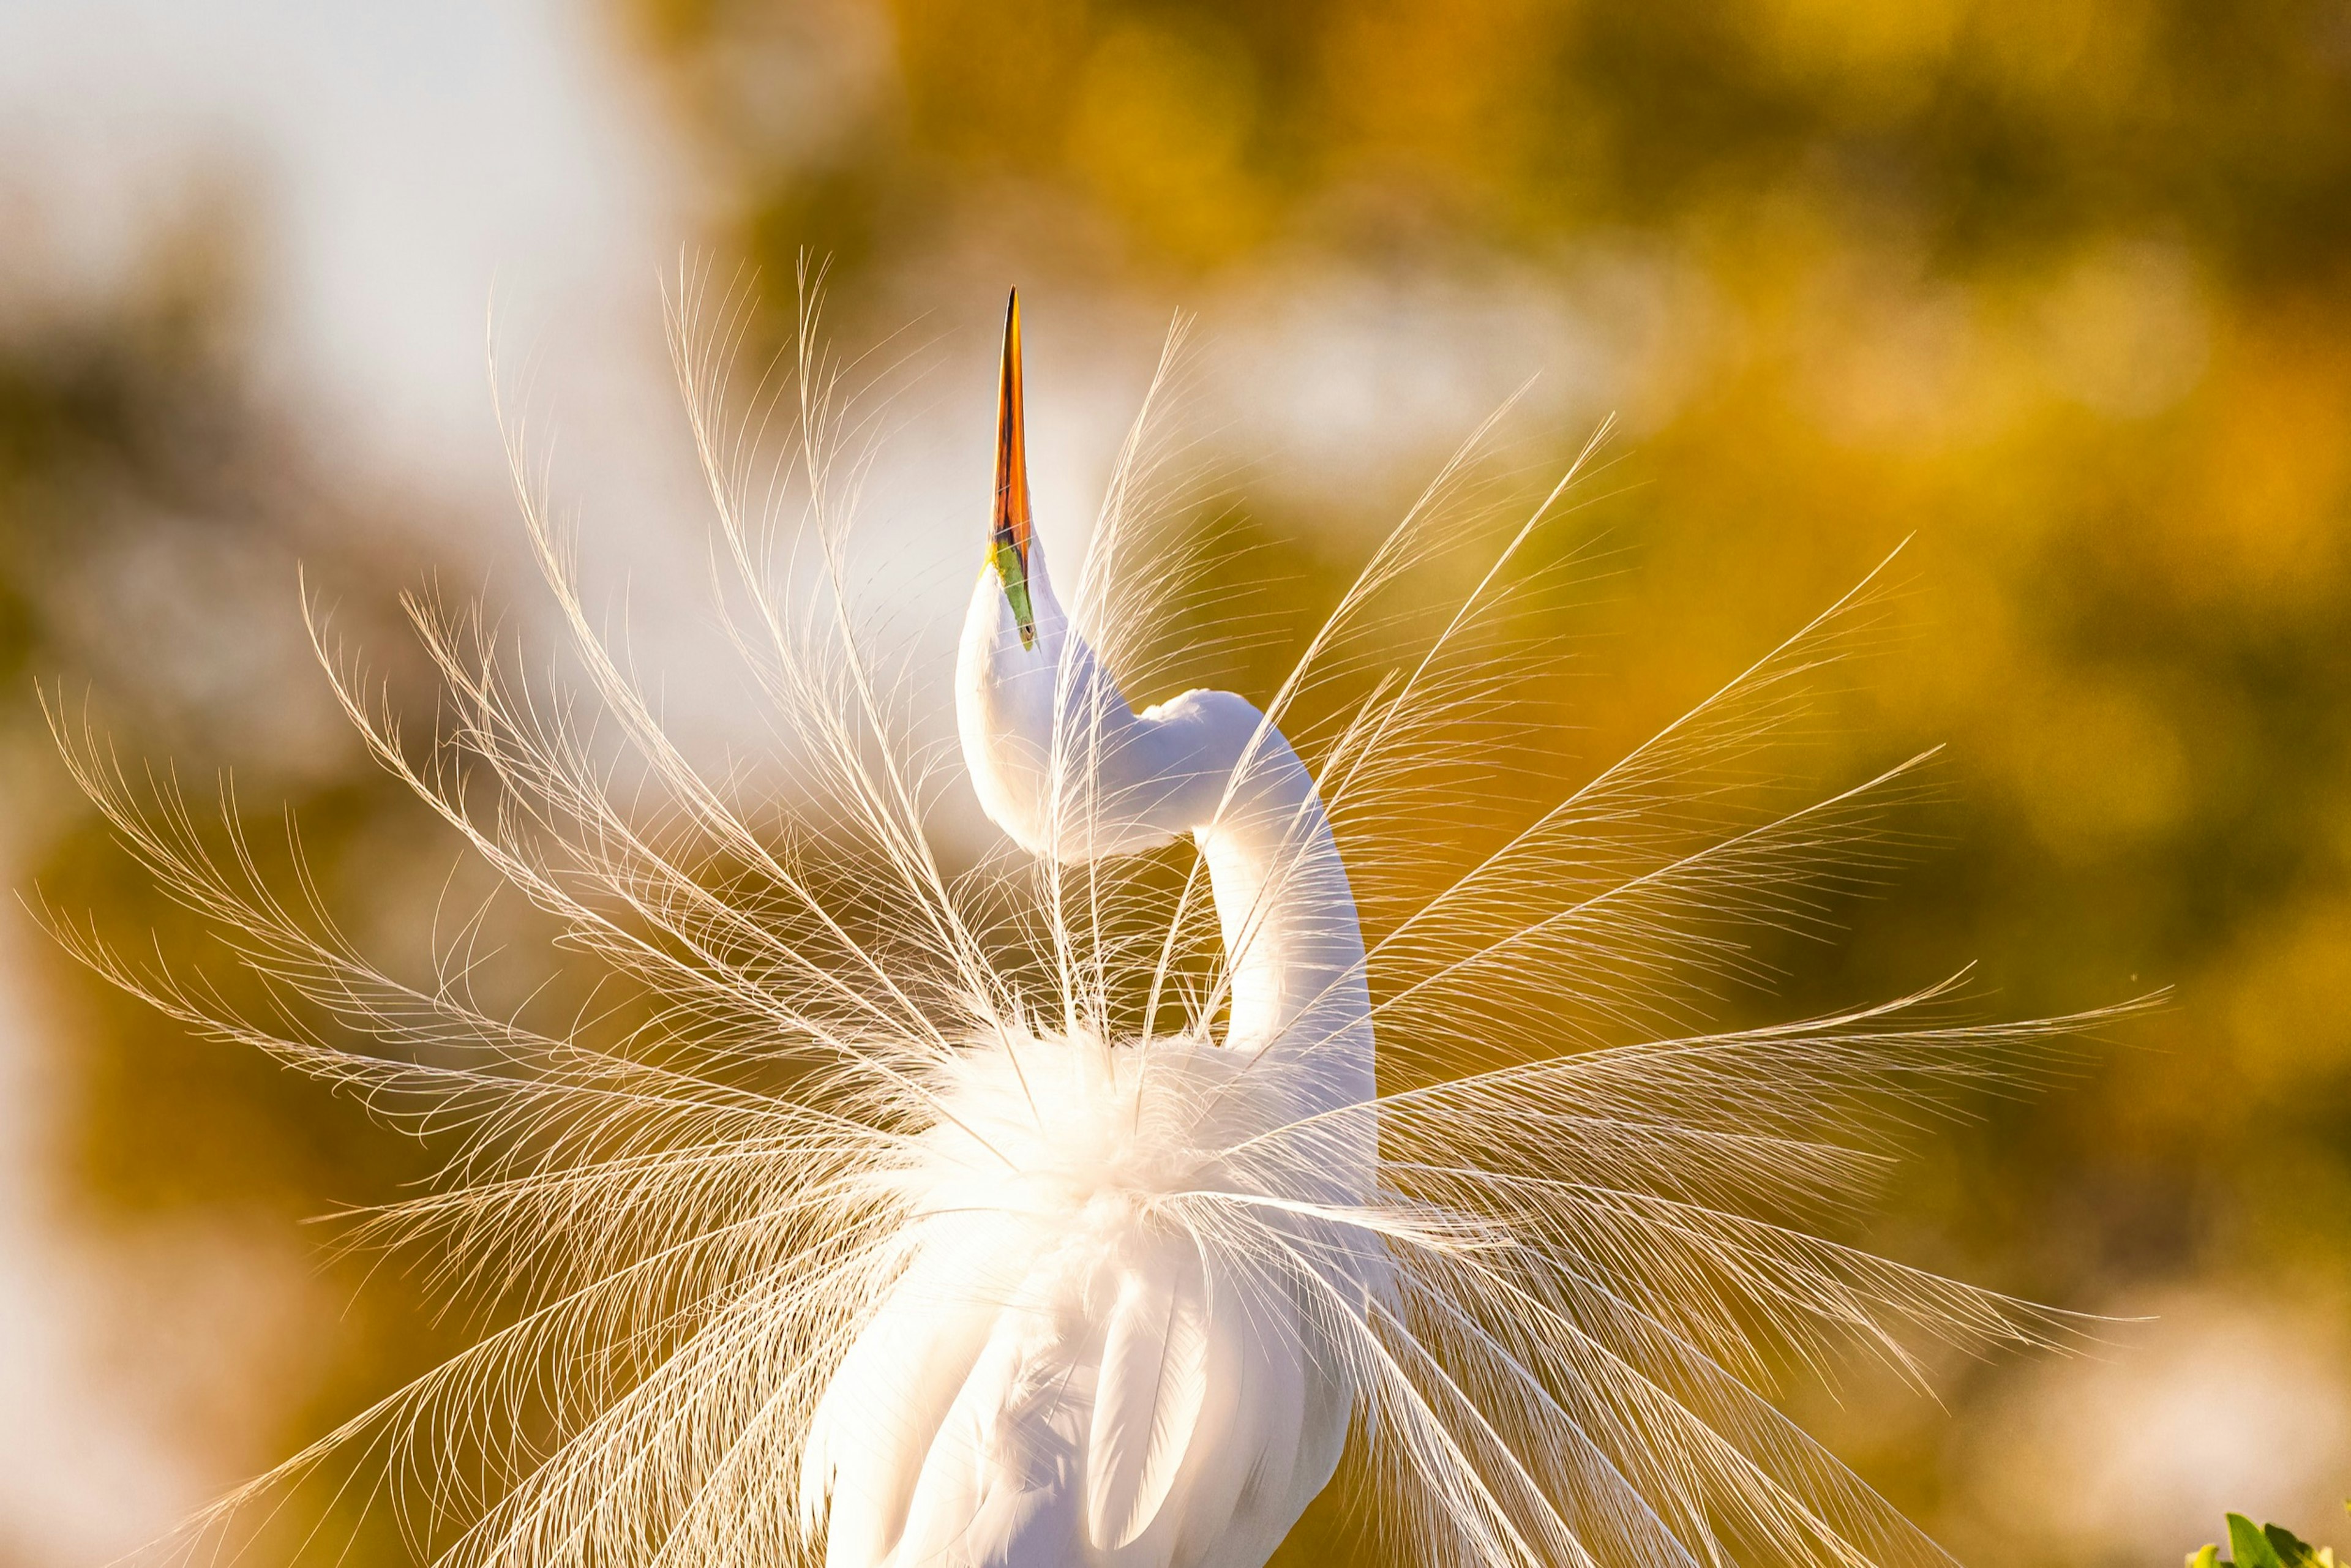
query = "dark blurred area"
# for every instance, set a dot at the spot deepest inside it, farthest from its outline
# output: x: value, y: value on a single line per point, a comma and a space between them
x: 2061, y: 293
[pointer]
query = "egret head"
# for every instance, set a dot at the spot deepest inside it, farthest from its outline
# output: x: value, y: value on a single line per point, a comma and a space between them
x: 1020, y: 676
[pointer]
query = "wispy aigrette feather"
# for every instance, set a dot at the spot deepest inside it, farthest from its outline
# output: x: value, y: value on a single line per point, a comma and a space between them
x: 881, y: 1143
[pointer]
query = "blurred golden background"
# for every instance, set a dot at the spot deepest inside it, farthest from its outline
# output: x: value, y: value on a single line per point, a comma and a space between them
x: 2061, y: 288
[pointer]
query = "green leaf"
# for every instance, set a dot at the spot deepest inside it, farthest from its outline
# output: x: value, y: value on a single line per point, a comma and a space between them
x: 2292, y: 1549
x: 2249, y: 1546
x: 2207, y: 1558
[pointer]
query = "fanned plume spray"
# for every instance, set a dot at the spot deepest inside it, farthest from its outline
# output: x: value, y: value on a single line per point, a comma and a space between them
x: 1044, y: 1211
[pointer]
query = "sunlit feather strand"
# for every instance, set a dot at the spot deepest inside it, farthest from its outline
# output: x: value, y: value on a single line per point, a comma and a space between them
x: 1590, y: 1200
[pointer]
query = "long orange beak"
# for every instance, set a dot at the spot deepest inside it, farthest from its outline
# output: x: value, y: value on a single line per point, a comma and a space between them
x: 1008, y: 534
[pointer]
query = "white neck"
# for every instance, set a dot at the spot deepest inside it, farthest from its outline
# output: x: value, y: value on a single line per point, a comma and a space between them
x: 1064, y: 766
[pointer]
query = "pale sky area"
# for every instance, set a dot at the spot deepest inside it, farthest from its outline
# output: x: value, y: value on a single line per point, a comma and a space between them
x: 408, y: 158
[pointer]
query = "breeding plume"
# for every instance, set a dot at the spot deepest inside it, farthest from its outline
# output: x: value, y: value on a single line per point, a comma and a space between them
x: 1265, y: 1112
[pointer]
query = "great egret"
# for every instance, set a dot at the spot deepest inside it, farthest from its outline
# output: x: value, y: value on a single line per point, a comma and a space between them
x: 1075, y: 1369
x: 1021, y: 1218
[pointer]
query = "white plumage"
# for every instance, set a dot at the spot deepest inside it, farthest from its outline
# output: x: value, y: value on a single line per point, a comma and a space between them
x: 1068, y: 1373
x: 1054, y: 1213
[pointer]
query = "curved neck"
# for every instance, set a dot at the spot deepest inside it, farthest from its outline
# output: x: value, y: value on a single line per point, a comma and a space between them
x: 1293, y: 947
x: 1064, y: 765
